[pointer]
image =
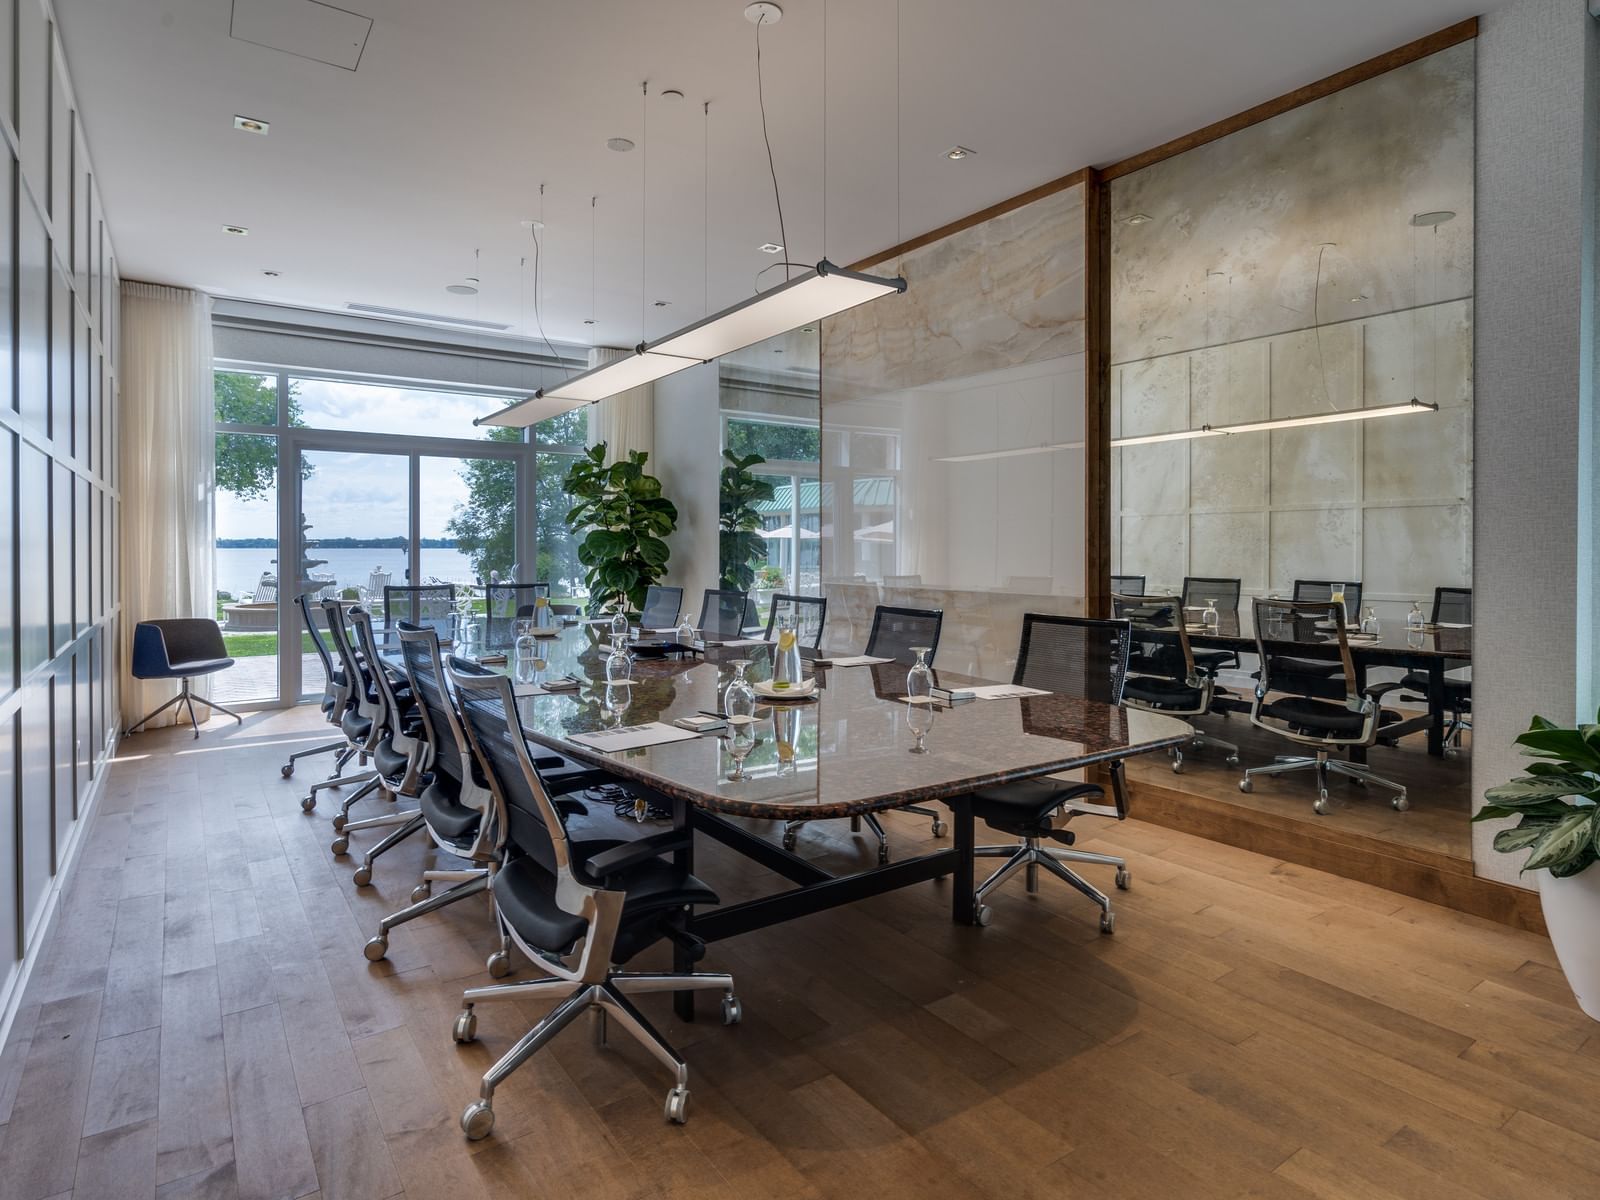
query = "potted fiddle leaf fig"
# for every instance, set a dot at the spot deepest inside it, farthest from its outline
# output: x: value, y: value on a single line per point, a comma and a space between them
x: 1558, y: 825
x: 743, y: 546
x: 627, y: 519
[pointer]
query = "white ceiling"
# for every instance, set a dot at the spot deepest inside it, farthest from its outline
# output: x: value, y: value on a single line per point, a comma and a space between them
x: 377, y: 185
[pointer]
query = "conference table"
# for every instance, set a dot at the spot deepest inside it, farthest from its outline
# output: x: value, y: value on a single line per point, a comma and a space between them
x: 1432, y: 650
x: 848, y: 752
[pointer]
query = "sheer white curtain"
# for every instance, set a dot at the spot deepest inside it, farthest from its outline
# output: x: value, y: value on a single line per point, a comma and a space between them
x: 168, y: 471
x: 626, y: 421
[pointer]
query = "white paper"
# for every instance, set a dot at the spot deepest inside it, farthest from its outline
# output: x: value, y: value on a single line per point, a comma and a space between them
x: 633, y: 737
x: 1449, y: 625
x: 855, y: 660
x: 1005, y: 691
x: 738, y: 642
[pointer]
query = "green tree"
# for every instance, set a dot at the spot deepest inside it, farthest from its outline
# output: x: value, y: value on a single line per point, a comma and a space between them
x: 247, y: 463
x: 485, y: 527
x: 774, y: 442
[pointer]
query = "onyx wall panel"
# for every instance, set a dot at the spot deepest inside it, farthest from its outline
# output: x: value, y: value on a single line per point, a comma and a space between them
x: 58, y: 587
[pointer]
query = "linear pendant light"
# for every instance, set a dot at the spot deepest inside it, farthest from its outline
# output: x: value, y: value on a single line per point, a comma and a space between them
x: 823, y: 291
x: 1206, y: 431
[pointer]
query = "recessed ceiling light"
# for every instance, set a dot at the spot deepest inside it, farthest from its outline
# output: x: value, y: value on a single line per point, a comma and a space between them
x: 236, y: 230
x: 770, y: 248
x: 620, y: 145
x: 1424, y: 219
x: 250, y: 125
x: 469, y: 288
x: 1137, y: 219
x: 957, y: 153
x: 536, y: 225
x: 272, y: 274
x: 758, y: 14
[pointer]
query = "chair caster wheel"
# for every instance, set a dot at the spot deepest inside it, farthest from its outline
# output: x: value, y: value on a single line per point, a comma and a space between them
x: 341, y: 846
x: 339, y: 823
x: 1246, y: 786
x: 307, y: 803
x: 363, y: 876
x: 287, y: 770
x: 677, y: 1109
x: 1400, y: 803
x: 466, y: 1027
x: 421, y: 892
x: 1360, y: 783
x: 499, y: 964
x: 732, y: 1010
x: 1232, y: 760
x: 883, y: 856
x: 982, y: 915
x: 789, y: 839
x: 939, y: 827
x: 376, y: 948
x: 1177, y: 766
x: 1108, y: 922
x: 1321, y: 805
x: 1124, y: 878
x: 477, y: 1121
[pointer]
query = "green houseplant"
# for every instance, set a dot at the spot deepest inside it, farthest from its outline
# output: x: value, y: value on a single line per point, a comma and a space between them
x: 627, y: 518
x: 1555, y: 801
x: 743, y: 546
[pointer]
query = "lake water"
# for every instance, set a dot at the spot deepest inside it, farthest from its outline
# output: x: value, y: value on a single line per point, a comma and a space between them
x: 239, y: 569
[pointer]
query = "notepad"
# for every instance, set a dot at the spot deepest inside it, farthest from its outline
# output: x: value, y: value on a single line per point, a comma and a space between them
x: 853, y: 660
x: 1006, y: 691
x: 738, y: 643
x: 633, y: 737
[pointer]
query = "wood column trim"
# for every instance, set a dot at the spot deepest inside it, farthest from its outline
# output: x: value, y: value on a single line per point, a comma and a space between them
x: 1097, y: 396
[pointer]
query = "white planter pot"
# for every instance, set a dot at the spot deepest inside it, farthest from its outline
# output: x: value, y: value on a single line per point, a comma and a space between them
x: 1572, y: 912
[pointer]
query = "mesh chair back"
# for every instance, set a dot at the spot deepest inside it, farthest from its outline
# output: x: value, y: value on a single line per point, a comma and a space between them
x: 1284, y: 628
x: 361, y: 625
x: 304, y: 601
x: 425, y: 672
x: 722, y: 612
x: 1200, y: 590
x: 1159, y: 643
x: 810, y: 613
x: 1452, y: 605
x: 661, y: 607
x: 1073, y: 656
x: 334, y: 612
x: 1320, y: 589
x: 1128, y: 585
x: 897, y: 631
x: 504, y: 603
x: 494, y: 731
x: 431, y: 605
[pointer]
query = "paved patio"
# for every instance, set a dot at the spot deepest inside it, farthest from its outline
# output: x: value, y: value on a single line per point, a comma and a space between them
x: 257, y: 679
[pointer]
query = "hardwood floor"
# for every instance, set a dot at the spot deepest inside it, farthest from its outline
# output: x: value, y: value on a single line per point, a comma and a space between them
x: 203, y: 1024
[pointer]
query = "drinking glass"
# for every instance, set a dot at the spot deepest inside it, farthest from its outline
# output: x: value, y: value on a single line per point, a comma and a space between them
x: 1336, y: 594
x: 686, y: 631
x: 1369, y: 622
x: 526, y: 663
x: 619, y: 666
x: 739, y: 705
x: 615, y: 702
x: 919, y: 698
x: 619, y: 622
x: 1211, y: 618
x: 1414, y: 618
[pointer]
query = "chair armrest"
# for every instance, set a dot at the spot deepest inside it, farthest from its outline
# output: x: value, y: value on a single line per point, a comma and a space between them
x: 1377, y: 691
x: 631, y: 854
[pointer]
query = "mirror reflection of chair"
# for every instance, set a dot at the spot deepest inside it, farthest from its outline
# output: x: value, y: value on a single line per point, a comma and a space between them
x: 429, y: 604
x: 722, y: 613
x: 1128, y: 585
x: 810, y: 614
x: 1201, y: 590
x: 661, y: 607
x: 1070, y: 657
x: 1322, y: 712
x: 1162, y: 676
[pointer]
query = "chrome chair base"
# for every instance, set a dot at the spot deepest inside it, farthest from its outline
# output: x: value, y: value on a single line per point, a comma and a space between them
x: 185, y: 697
x: 1323, y: 765
x: 471, y: 883
x: 610, y: 998
x: 1030, y: 855
x: 343, y: 748
x: 1202, y: 741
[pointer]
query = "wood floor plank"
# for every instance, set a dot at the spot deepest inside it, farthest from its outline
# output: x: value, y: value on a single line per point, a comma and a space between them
x: 51, y: 1099
x: 134, y: 971
x: 118, y: 1164
x: 194, y: 1130
x: 271, y: 1152
x: 124, y: 1083
x: 348, y: 1147
x: 324, y: 1066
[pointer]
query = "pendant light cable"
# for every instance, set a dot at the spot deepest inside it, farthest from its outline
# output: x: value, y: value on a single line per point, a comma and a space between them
x: 705, y: 210
x: 593, y: 201
x: 644, y: 224
x: 538, y: 317
x: 777, y: 196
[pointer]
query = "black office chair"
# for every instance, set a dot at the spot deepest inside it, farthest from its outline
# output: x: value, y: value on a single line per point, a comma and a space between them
x: 1451, y: 606
x: 551, y: 894
x: 1162, y: 677
x: 504, y: 603
x: 180, y: 648
x: 1325, y: 713
x: 810, y: 614
x: 662, y: 607
x: 430, y: 604
x: 898, y: 632
x: 1068, y: 656
x: 722, y: 613
x: 333, y: 691
x: 1128, y: 585
x: 1322, y: 590
x: 1200, y: 590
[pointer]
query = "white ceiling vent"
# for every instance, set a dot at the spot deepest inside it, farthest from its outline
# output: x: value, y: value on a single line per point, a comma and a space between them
x: 303, y: 28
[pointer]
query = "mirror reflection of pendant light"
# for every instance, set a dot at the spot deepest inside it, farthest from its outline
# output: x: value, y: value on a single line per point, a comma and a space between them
x: 814, y: 294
